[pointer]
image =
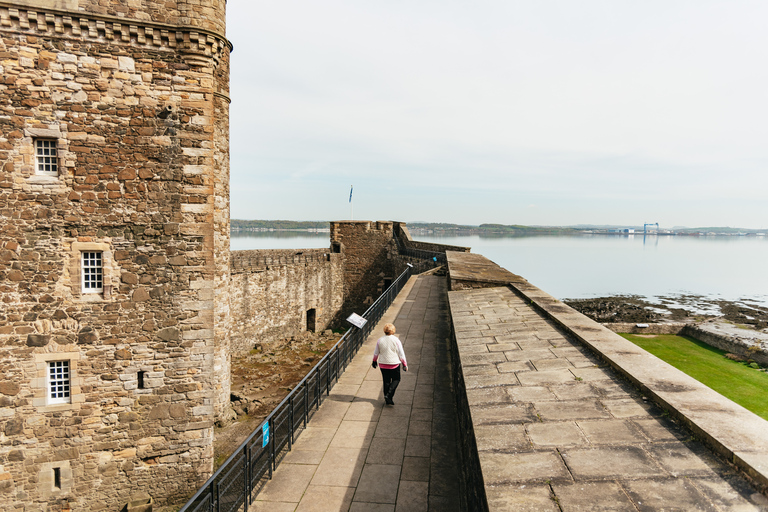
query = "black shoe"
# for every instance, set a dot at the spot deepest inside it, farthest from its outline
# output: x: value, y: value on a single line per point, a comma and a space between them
x: 388, y: 401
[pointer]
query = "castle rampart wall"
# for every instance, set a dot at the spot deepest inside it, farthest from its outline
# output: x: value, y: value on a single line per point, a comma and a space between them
x: 271, y: 292
x: 401, y: 230
x: 370, y: 259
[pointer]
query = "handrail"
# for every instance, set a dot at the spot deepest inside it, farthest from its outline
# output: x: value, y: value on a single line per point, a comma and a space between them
x: 231, y: 487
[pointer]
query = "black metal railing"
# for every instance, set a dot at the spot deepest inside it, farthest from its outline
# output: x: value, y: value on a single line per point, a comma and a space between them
x: 235, y: 484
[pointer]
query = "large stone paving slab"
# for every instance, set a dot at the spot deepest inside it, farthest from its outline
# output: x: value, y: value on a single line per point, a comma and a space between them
x: 531, y: 467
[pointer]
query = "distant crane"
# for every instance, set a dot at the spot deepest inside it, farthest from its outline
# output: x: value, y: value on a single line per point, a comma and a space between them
x: 645, y: 227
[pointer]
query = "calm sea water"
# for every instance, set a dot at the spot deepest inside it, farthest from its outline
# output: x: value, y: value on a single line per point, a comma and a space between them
x: 568, y: 267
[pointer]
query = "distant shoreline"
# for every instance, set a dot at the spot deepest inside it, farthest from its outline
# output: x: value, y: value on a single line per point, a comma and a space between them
x: 439, y: 229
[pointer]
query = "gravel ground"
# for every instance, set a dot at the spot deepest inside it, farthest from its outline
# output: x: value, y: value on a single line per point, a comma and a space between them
x: 261, y: 379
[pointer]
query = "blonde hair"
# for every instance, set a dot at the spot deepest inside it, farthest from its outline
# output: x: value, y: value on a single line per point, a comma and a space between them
x: 389, y: 329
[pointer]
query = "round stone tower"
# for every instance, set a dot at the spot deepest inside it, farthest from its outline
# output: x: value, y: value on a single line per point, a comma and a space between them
x: 114, y: 249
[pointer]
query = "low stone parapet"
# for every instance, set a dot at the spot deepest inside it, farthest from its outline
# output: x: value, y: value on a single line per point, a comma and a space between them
x: 733, y: 432
x: 749, y: 344
x: 635, y: 328
x: 559, y: 412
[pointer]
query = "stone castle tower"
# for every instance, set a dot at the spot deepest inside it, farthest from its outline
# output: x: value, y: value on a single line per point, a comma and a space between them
x: 114, y: 249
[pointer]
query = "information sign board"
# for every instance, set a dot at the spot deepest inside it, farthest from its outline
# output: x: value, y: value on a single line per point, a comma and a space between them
x: 356, y: 320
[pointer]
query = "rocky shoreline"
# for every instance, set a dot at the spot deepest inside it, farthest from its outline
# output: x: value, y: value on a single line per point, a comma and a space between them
x: 680, y: 309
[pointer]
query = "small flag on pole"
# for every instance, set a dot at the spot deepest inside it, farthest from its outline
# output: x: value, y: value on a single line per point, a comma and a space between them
x: 350, y: 193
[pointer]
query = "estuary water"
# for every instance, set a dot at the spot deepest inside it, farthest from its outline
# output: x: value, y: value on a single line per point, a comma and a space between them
x: 733, y: 268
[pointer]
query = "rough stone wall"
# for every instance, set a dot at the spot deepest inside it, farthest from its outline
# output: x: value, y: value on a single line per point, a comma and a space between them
x: 632, y: 328
x: 131, y: 105
x: 272, y: 290
x: 370, y: 258
x: 222, y: 366
x: 202, y: 14
x: 745, y: 346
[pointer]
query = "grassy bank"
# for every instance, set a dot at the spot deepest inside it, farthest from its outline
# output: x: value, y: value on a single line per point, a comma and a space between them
x: 744, y: 385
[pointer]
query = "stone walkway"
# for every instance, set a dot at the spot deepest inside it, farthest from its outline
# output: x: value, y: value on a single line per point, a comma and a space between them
x: 358, y: 454
x: 558, y: 431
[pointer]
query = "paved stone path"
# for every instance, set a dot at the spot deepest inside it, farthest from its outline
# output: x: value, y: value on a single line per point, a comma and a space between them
x: 557, y: 432
x: 358, y: 454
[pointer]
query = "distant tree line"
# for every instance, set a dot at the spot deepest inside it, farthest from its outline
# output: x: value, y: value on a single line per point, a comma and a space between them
x: 482, y: 229
x: 254, y: 225
x: 493, y: 228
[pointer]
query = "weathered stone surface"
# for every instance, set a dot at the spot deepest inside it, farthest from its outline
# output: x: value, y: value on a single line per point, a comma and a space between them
x: 9, y: 388
x: 523, y: 467
x: 38, y: 340
x: 14, y: 426
x: 521, y: 498
x: 593, y: 497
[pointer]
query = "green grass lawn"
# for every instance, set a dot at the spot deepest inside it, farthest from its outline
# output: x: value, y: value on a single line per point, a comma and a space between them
x: 744, y: 385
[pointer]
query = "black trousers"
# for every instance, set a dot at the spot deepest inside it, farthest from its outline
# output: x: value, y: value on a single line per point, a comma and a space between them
x: 391, y: 380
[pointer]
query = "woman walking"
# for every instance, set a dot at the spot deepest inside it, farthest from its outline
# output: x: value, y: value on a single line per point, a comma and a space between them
x: 389, y: 355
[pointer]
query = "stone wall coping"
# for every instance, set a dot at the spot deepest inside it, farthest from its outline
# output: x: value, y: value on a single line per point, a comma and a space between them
x: 729, y: 429
x: 470, y: 267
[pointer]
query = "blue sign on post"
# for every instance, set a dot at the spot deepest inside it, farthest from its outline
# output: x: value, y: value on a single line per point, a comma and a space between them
x: 265, y: 435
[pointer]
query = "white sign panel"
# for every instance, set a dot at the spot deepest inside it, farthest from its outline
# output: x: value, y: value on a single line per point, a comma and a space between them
x: 356, y: 320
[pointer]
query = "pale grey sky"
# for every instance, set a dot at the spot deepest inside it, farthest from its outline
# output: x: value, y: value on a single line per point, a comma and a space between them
x: 537, y: 112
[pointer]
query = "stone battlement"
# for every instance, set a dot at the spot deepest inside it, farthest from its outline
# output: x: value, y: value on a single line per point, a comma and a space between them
x: 244, y: 261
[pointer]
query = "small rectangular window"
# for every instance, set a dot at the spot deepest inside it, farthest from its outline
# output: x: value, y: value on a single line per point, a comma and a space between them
x: 58, y: 382
x: 57, y: 479
x: 92, y: 272
x: 46, y: 157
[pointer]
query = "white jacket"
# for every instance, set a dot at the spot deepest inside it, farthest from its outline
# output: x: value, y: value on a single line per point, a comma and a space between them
x: 389, y: 351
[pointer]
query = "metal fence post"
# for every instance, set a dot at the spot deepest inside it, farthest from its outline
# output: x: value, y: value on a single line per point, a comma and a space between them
x: 290, y: 437
x: 272, y: 435
x: 246, y: 480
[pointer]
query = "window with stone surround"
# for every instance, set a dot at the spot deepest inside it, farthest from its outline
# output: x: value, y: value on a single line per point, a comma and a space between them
x: 46, y: 157
x: 92, y: 272
x: 59, y: 383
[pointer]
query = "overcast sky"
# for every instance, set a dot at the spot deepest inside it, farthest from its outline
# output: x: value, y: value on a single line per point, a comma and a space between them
x: 513, y: 112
